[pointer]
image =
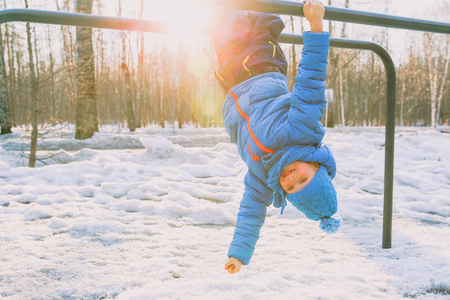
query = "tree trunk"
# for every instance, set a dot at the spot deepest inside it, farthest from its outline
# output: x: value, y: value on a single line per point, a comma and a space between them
x: 160, y: 104
x: 380, y: 101
x: 332, y: 66
x: 20, y: 82
x: 128, y: 90
x: 128, y: 98
x: 366, y: 107
x: 140, y: 89
x: 433, y: 89
x: 294, y: 58
x: 442, y: 89
x: 52, y: 110
x: 34, y: 99
x: 341, y: 93
x: 12, y: 75
x: 68, y: 91
x: 5, y: 112
x: 11, y: 79
x: 86, y: 109
x: 402, y: 100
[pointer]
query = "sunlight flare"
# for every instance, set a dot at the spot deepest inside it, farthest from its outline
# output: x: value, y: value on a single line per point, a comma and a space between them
x: 187, y: 17
x: 198, y: 63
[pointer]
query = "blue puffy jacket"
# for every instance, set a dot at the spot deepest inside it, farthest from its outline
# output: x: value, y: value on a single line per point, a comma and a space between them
x: 262, y: 116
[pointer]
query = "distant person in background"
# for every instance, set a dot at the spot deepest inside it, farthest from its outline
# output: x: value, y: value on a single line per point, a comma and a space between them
x: 278, y: 133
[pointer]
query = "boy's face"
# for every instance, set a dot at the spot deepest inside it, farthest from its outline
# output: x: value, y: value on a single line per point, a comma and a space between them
x: 297, y: 175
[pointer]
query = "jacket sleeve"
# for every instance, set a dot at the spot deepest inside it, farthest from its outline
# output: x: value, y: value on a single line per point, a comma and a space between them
x: 251, y: 216
x: 308, y: 93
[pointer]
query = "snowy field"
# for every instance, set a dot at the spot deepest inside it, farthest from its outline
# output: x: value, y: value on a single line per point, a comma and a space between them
x: 150, y: 215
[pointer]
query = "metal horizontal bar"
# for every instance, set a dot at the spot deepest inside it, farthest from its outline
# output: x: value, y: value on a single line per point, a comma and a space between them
x: 74, y: 19
x: 269, y: 6
x: 283, y: 7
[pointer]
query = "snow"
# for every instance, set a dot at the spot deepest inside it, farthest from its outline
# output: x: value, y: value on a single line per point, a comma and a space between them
x: 150, y: 215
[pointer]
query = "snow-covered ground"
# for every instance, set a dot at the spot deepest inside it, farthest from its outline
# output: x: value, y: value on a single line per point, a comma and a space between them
x: 149, y: 215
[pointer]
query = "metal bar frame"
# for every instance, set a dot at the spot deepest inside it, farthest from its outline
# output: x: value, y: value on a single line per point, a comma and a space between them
x: 285, y: 8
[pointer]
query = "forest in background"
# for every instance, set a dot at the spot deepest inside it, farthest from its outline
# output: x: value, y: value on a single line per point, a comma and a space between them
x: 55, y: 74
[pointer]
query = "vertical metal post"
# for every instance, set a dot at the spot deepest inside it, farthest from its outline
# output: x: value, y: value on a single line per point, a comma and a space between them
x: 389, y: 150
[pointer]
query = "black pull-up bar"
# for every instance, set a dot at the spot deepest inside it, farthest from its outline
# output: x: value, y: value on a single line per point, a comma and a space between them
x: 285, y: 8
x: 281, y: 7
x: 291, y: 8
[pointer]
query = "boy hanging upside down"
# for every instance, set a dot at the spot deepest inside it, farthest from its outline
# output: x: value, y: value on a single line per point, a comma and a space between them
x: 278, y: 133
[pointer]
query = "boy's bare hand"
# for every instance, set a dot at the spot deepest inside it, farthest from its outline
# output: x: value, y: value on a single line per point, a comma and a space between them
x: 314, y: 12
x: 233, y: 265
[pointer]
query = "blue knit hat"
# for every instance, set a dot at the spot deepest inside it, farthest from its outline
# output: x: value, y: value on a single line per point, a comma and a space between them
x: 317, y: 200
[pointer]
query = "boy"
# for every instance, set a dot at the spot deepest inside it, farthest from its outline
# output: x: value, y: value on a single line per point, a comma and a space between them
x: 278, y: 133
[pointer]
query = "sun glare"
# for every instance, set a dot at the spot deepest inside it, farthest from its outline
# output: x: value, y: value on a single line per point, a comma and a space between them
x: 187, y: 17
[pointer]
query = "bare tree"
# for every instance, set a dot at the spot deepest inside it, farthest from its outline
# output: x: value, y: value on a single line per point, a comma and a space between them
x: 11, y: 80
x: 128, y: 94
x: 129, y: 98
x: 68, y: 80
x: 436, y: 75
x: 86, y: 109
x: 141, y: 92
x: 52, y: 98
x: 293, y: 65
x: 34, y: 98
x: 5, y: 112
x: 444, y: 87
